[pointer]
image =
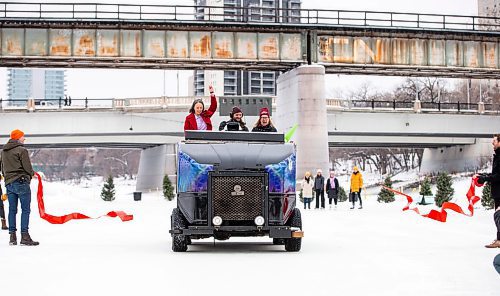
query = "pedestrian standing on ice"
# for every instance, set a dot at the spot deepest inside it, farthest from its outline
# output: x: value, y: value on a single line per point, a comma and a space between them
x: 307, y: 190
x: 319, y: 188
x: 17, y: 171
x: 356, y: 185
x: 494, y: 180
x: 2, y: 209
x: 199, y: 118
x: 332, y: 189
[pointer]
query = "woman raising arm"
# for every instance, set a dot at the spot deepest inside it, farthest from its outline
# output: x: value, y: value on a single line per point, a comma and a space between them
x: 199, y: 118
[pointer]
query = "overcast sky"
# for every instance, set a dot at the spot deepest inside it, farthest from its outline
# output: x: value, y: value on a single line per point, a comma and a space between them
x: 104, y: 83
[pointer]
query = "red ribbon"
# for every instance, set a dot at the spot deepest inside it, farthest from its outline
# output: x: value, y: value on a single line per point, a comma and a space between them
x: 63, y: 219
x: 442, y: 214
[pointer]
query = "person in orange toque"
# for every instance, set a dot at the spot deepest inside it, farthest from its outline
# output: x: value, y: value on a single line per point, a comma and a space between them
x: 17, y: 171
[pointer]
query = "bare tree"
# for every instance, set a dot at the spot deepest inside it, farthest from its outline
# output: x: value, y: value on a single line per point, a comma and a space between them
x: 363, y: 93
x: 64, y: 164
x: 428, y: 89
x: 124, y: 162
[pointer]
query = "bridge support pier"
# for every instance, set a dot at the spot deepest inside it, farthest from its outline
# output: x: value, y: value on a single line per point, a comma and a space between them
x: 457, y: 158
x: 155, y: 163
x: 301, y: 100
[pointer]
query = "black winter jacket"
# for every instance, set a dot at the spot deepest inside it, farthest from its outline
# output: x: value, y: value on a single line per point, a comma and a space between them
x: 329, y: 190
x: 223, y: 125
x: 319, y: 183
x: 265, y: 129
x: 494, y: 177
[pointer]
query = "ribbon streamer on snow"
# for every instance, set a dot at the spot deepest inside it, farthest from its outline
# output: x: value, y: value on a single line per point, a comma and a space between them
x: 441, y: 215
x: 63, y: 219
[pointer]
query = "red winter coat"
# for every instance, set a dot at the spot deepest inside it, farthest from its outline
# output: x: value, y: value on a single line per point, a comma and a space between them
x: 190, y: 123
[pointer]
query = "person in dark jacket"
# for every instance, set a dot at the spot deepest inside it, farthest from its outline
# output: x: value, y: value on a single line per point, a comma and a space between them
x: 496, y: 263
x: 319, y: 188
x: 494, y: 180
x: 199, y: 118
x: 17, y: 171
x: 264, y: 124
x: 496, y: 260
x: 2, y: 209
x: 236, y: 116
x: 332, y: 189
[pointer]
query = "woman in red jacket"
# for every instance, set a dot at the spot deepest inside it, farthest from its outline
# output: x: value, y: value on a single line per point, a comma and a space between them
x: 199, y: 118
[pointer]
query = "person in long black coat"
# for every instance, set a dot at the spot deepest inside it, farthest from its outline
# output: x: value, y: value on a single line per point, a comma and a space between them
x: 319, y: 188
x: 494, y: 180
x: 332, y: 189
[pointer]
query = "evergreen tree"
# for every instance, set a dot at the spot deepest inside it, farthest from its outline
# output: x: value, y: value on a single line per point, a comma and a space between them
x: 425, y: 190
x: 487, y: 202
x: 168, y: 189
x: 108, y: 190
x: 342, y: 195
x: 386, y: 195
x: 444, y: 189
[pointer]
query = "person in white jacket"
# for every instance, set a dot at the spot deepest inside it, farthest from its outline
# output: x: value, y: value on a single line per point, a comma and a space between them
x: 307, y: 190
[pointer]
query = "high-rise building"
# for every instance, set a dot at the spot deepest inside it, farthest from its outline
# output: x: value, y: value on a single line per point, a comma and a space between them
x: 39, y: 84
x: 489, y: 8
x: 238, y: 82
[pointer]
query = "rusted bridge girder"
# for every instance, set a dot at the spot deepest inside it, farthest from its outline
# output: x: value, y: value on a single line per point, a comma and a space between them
x: 216, y: 44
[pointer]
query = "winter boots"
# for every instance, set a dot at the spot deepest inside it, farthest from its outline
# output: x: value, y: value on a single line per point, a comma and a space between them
x: 13, y: 239
x: 27, y: 241
x: 4, y: 225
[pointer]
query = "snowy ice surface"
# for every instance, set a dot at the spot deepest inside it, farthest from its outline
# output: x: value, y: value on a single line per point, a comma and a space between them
x: 378, y: 250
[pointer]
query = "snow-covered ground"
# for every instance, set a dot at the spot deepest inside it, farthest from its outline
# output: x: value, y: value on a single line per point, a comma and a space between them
x: 378, y: 250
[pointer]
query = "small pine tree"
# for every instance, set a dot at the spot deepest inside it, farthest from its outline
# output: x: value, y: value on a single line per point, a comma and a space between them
x: 444, y: 189
x: 342, y: 195
x: 425, y: 190
x: 168, y: 189
x: 487, y: 202
x: 108, y: 190
x: 386, y: 195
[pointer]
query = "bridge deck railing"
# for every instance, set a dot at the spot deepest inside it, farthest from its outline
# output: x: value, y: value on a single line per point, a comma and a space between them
x: 294, y: 15
x: 55, y: 104
x: 184, y: 103
x: 394, y: 105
